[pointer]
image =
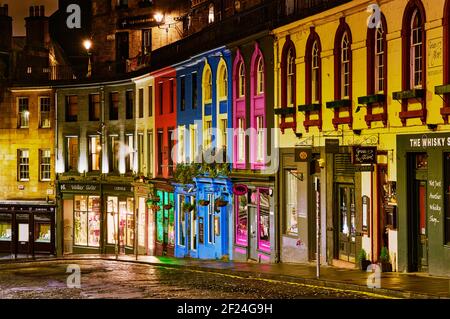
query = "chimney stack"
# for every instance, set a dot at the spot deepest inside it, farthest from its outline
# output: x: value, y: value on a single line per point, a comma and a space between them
x: 6, y: 29
x: 37, y: 25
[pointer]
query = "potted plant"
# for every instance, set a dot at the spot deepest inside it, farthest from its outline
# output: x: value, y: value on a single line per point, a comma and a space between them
x: 385, y: 260
x: 362, y: 260
x: 203, y: 202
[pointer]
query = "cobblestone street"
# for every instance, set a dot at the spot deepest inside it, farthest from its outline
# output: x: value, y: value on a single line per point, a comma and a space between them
x: 111, y: 279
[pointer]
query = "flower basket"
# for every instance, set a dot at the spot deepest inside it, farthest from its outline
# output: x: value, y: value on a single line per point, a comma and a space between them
x: 168, y: 206
x: 188, y: 207
x: 154, y: 208
x: 203, y: 202
x: 221, y: 203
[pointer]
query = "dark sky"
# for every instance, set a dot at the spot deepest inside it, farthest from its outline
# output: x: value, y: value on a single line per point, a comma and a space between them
x: 19, y: 9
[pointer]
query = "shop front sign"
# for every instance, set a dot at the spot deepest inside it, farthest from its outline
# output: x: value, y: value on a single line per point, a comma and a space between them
x: 74, y: 187
x: 303, y: 154
x: 364, y: 155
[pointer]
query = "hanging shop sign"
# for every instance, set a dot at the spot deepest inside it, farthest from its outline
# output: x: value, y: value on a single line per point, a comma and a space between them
x: 364, y: 155
x: 240, y: 189
x: 331, y: 145
x: 302, y: 154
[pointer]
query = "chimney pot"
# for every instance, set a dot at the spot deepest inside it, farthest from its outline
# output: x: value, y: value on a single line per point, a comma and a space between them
x: 42, y: 9
x: 31, y: 11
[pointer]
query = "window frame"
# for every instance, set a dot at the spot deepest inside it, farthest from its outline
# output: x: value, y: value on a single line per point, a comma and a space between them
x: 23, y: 114
x: 44, y: 166
x: 48, y: 112
x: 23, y: 165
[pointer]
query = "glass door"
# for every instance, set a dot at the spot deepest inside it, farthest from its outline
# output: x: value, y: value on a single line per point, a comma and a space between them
x: 23, y: 233
x: 346, y: 214
x: 122, y: 226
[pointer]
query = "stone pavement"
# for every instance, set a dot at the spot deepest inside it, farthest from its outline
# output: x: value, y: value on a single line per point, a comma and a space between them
x: 400, y: 285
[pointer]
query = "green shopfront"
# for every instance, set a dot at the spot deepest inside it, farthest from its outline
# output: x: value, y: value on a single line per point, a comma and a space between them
x: 423, y: 190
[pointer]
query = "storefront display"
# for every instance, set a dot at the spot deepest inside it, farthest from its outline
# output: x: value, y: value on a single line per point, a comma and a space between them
x: 87, y: 221
x: 42, y: 229
x: 241, y: 220
x: 5, y: 227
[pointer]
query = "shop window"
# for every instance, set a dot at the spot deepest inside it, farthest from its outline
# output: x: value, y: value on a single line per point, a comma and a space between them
x: 193, y: 219
x: 24, y: 112
x: 242, y: 220
x: 87, y: 221
x: 5, y: 227
x: 44, y: 165
x: 112, y: 220
x: 42, y: 229
x: 120, y: 221
x: 23, y: 162
x: 95, y: 149
x: 129, y: 105
x: 447, y: 199
x: 94, y: 107
x: 264, y: 220
x: 44, y: 112
x: 291, y: 222
x: 71, y: 108
x: 422, y: 161
x: 71, y: 153
x: 114, y: 106
x: 129, y: 222
x: 181, y: 221
x: 160, y: 219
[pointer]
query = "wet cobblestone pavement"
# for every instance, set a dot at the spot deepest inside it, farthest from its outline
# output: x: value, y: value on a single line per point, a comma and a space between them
x: 110, y: 279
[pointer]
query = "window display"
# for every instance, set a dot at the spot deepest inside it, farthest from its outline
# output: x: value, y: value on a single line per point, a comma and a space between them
x: 291, y: 203
x: 42, y: 229
x: 171, y: 224
x: 87, y: 221
x: 5, y: 227
x: 112, y: 220
x: 130, y: 222
x: 264, y: 221
x: 241, y: 220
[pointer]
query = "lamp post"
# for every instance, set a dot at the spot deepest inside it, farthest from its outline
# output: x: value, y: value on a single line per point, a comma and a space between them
x: 87, y: 45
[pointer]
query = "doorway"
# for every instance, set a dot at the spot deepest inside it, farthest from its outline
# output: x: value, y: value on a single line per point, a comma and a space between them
x: 22, y: 229
x: 417, y: 202
x: 346, y: 222
x: 253, y: 239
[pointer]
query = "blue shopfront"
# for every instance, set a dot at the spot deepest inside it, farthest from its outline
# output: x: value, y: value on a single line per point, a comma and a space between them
x: 203, y: 213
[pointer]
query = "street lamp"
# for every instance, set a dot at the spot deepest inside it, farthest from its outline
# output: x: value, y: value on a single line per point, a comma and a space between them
x: 158, y: 17
x: 87, y: 45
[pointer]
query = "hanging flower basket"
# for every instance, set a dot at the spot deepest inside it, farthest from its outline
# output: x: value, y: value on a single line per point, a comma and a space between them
x: 188, y: 207
x: 168, y: 206
x: 221, y: 203
x: 203, y: 202
x: 154, y: 208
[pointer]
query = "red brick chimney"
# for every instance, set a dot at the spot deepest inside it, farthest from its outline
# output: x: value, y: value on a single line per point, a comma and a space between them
x: 37, y: 25
x: 6, y: 29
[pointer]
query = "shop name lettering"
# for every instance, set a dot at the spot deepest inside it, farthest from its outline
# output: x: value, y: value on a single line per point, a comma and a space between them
x: 79, y: 187
x: 435, y: 208
x: 365, y: 155
x: 429, y: 142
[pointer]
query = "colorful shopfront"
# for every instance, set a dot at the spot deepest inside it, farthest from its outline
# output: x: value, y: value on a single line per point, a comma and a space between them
x: 254, y: 223
x: 186, y: 211
x: 163, y: 209
x: 214, y: 198
x: 27, y: 228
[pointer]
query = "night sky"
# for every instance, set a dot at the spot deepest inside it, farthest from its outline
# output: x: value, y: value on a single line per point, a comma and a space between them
x: 19, y: 9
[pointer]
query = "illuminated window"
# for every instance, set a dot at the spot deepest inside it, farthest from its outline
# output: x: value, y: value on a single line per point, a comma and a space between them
x: 241, y: 140
x: 71, y: 153
x: 95, y: 149
x: 23, y: 168
x: 345, y: 66
x: 44, y: 112
x: 260, y: 76
x: 208, y: 85
x: 24, y: 112
x: 315, y: 73
x: 416, y: 49
x: 379, y: 59
x: 87, y: 221
x: 290, y: 78
x: 44, y: 165
x: 241, y: 80
x: 211, y: 13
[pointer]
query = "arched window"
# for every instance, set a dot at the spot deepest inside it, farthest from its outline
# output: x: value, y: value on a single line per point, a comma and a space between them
x: 208, y: 85
x: 345, y: 66
x: 241, y: 80
x: 416, y: 58
x: 211, y: 13
x: 260, y: 76
x: 290, y: 80
x: 315, y: 73
x: 379, y: 58
x: 223, y: 82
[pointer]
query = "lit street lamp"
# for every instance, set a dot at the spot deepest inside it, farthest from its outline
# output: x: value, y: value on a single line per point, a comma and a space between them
x: 87, y: 45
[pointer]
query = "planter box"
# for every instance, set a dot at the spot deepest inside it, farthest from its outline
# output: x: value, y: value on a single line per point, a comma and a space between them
x: 442, y: 89
x: 339, y: 103
x: 410, y: 94
x: 309, y: 107
x: 363, y: 264
x: 371, y: 99
x: 284, y: 111
x: 385, y: 267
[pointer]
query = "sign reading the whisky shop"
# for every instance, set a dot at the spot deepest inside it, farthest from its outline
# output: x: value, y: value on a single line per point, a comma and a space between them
x: 71, y: 187
x: 425, y: 141
x: 364, y: 155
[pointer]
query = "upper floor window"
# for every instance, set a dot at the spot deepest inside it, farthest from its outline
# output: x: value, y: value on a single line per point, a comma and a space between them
x: 44, y: 112
x: 379, y: 59
x: 95, y: 149
x: 23, y: 169
x: 114, y: 106
x: 211, y: 13
x: 44, y: 165
x: 260, y: 76
x: 183, y: 93
x: 141, y: 103
x: 345, y: 66
x: 71, y: 153
x: 290, y: 80
x: 130, y: 151
x: 146, y: 41
x: 194, y: 90
x: 315, y: 73
x: 416, y: 57
x: 241, y: 81
x: 71, y: 108
x: 161, y: 99
x: 171, y: 97
x: 94, y: 107
x: 24, y: 112
x: 129, y: 103
x: 223, y: 82
x: 208, y: 85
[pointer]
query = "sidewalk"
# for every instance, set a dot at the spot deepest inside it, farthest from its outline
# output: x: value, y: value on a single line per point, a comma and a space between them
x: 392, y: 284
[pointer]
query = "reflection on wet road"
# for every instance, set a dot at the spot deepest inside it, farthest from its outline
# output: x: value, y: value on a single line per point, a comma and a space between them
x: 110, y: 279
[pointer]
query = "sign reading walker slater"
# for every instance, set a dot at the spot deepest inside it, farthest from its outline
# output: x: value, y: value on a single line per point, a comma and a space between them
x: 74, y: 187
x: 364, y: 155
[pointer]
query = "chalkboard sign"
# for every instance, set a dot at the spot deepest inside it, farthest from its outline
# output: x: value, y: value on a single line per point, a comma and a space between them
x: 201, y: 230
x: 364, y: 155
